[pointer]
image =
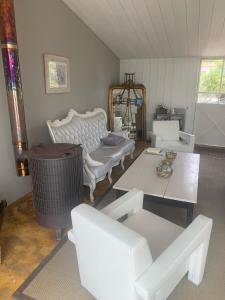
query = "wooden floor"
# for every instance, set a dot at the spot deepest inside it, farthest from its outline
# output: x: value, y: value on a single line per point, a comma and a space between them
x: 25, y: 243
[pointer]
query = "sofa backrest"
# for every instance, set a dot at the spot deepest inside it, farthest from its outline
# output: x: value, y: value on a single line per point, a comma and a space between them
x: 110, y: 255
x: 167, y: 130
x: 85, y: 129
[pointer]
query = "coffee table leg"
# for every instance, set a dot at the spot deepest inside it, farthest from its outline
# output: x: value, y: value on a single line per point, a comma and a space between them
x: 119, y: 193
x: 190, y: 210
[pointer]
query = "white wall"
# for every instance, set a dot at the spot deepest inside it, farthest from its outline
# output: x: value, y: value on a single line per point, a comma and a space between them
x: 171, y: 81
x: 49, y: 26
x: 210, y: 124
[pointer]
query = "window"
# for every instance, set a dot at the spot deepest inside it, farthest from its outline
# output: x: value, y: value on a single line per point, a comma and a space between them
x: 212, y: 81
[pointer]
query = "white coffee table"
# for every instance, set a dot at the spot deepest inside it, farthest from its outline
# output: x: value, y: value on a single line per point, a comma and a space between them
x: 180, y: 189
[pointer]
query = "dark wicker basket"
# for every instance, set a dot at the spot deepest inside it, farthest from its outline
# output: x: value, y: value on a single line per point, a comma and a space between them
x: 57, y: 177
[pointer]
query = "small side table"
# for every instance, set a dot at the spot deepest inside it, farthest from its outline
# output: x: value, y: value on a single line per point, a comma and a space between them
x: 57, y: 178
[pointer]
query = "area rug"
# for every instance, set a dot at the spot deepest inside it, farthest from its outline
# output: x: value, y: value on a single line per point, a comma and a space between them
x: 57, y: 277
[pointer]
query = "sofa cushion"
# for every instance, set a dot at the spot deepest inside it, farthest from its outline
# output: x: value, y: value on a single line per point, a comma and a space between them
x: 167, y: 130
x: 114, y: 152
x: 112, y: 140
x: 101, y: 171
x: 107, y: 161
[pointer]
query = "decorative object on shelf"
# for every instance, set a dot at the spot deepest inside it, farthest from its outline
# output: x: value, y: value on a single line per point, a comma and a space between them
x: 3, y: 205
x: 128, y: 103
x: 57, y: 74
x: 164, y: 169
x: 11, y: 65
x: 162, y: 109
x: 176, y: 113
x: 57, y: 178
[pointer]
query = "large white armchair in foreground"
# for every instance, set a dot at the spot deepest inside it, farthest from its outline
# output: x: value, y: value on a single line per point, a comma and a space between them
x: 144, y: 257
x: 166, y: 135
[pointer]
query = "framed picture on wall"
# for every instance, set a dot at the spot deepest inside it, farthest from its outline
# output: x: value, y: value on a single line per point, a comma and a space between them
x: 57, y: 74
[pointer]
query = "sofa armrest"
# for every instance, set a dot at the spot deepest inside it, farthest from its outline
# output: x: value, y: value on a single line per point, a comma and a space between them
x: 91, y: 162
x: 155, y: 140
x: 123, y: 133
x: 186, y: 254
x: 129, y: 203
x: 187, y: 137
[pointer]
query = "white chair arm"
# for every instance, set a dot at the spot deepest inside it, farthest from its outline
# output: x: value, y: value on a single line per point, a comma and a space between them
x: 155, y: 139
x: 187, y: 253
x: 129, y: 203
x: 123, y: 133
x: 189, y: 138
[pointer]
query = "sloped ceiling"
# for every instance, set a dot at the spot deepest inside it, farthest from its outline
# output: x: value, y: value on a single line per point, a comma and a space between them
x: 156, y: 28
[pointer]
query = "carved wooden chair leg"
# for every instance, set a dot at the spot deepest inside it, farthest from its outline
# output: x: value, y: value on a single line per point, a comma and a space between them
x: 109, y: 176
x: 92, y: 187
x: 122, y: 163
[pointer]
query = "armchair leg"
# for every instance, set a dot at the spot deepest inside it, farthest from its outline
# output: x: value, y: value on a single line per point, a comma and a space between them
x: 109, y: 176
x: 92, y: 187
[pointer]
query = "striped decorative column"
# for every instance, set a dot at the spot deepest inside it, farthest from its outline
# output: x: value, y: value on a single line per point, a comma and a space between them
x: 11, y: 66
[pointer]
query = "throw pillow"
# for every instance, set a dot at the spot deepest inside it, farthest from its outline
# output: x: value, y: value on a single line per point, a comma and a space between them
x: 112, y: 140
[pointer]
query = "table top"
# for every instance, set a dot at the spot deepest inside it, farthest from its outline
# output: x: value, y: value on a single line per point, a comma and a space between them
x: 182, y: 185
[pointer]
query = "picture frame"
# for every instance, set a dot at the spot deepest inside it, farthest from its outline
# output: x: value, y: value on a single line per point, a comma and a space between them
x: 57, y: 74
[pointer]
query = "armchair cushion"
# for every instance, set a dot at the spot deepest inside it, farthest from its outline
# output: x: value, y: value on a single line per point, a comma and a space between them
x: 167, y: 130
x: 151, y: 227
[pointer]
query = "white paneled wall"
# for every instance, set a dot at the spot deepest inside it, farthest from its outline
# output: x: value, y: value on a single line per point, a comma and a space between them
x: 170, y: 81
x: 210, y: 124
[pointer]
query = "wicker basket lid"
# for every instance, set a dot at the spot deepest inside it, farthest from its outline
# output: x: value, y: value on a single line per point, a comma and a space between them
x: 54, y: 151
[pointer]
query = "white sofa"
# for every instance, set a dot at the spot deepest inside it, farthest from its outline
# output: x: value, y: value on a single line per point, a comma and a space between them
x: 88, y: 129
x: 144, y: 257
x: 167, y: 136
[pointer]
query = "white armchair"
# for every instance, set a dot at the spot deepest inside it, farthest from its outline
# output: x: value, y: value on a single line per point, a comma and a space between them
x: 144, y: 257
x: 166, y: 135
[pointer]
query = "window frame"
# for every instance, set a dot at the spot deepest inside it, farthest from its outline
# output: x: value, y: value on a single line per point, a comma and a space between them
x: 217, y: 93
